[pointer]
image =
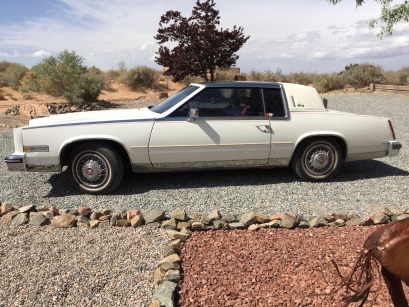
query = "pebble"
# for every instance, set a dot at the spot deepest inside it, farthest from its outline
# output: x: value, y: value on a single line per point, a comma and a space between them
x: 42, y: 266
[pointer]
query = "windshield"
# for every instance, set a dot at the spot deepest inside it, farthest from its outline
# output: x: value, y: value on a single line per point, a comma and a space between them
x: 173, y: 100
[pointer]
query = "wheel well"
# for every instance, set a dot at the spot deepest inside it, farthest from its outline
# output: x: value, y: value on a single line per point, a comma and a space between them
x: 340, y: 141
x: 67, y: 150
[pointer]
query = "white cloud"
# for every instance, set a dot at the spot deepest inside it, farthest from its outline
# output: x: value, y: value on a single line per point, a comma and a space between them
x: 294, y: 35
x: 40, y: 54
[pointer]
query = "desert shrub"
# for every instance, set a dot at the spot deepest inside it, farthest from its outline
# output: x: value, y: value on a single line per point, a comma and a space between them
x: 255, y: 76
x: 27, y: 96
x: 11, y: 74
x: 112, y: 75
x: 301, y: 78
x: 142, y: 77
x: 225, y: 75
x: 328, y: 82
x: 65, y: 76
x: 29, y: 83
x: 362, y: 75
x: 91, y: 85
x: 399, y: 77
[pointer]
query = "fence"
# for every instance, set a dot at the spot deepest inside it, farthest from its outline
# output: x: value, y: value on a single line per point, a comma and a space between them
x: 390, y: 88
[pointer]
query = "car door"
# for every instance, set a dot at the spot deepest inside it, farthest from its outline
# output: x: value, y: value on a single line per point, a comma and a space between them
x: 232, y: 130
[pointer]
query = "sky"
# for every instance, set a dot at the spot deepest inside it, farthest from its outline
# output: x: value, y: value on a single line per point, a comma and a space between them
x: 291, y: 35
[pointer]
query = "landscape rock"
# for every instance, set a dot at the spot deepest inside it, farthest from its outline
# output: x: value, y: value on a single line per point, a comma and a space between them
x: 165, y: 294
x: 84, y: 211
x: 182, y: 225
x: 20, y: 219
x: 95, y: 215
x: 171, y: 262
x: 402, y: 216
x: 277, y: 216
x: 156, y: 215
x: 248, y: 219
x: 26, y: 209
x: 172, y: 275
x: 262, y: 219
x: 8, y: 217
x: 218, y: 224
x: 64, y: 221
x: 170, y: 224
x: 5, y: 208
x: 381, y: 218
x: 94, y: 223
x: 353, y: 221
x: 123, y: 223
x: 339, y: 222
x: 132, y: 213
x: 37, y: 219
x: 237, y: 225
x: 214, y: 215
x: 198, y: 226
x: 290, y: 220
x: 179, y: 215
x: 230, y: 218
x: 137, y: 221
x: 173, y: 234
x: 318, y: 222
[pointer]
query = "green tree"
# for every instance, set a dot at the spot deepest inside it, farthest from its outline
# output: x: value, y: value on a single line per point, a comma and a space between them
x: 66, y: 76
x: 201, y: 44
x: 389, y: 17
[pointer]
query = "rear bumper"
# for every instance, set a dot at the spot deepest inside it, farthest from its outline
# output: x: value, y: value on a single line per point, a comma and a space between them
x: 394, y: 147
x: 15, y: 162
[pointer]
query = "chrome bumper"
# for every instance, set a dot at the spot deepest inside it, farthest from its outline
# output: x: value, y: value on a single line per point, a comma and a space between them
x: 15, y: 162
x: 394, y: 147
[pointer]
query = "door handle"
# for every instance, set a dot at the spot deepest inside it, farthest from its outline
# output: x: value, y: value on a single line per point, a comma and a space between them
x: 265, y: 128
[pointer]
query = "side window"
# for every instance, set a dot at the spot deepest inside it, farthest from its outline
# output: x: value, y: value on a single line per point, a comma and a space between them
x: 224, y: 102
x: 274, y: 102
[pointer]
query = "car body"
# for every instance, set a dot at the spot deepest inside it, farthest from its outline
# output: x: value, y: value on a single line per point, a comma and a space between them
x: 209, y: 125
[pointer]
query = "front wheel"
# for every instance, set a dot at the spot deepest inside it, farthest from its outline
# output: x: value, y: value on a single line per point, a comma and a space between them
x: 317, y: 160
x: 96, y: 168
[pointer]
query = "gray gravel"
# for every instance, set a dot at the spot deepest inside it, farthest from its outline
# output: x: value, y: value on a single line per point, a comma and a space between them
x: 78, y: 267
x: 361, y: 187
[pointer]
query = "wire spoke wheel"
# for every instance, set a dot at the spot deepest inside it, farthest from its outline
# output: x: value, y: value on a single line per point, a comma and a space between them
x: 96, y: 168
x: 317, y: 160
x: 92, y: 170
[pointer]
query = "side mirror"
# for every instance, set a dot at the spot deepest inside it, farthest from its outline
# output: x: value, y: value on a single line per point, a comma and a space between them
x: 325, y: 102
x: 193, y: 115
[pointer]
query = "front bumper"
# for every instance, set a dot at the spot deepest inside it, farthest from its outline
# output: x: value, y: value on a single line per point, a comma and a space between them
x: 394, y: 147
x: 15, y: 162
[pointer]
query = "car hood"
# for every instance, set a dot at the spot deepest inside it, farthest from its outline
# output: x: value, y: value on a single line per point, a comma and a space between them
x: 94, y: 117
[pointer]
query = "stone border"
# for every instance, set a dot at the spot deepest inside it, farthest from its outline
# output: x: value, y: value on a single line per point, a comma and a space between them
x: 178, y: 227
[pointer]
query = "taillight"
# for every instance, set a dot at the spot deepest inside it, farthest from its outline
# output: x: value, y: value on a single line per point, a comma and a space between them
x: 392, y: 131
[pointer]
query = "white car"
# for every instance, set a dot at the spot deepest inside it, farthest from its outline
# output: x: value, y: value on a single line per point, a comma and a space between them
x: 205, y: 126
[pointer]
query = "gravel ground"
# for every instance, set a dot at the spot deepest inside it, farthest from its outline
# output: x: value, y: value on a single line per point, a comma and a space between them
x: 78, y: 267
x: 361, y: 187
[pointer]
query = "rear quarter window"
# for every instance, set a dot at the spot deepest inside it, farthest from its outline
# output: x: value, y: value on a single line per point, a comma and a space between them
x: 274, y: 103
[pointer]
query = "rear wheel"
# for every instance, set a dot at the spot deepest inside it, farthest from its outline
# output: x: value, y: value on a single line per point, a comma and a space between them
x: 317, y: 160
x: 96, y: 168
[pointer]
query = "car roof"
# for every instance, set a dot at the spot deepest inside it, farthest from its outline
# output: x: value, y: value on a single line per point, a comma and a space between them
x: 241, y: 84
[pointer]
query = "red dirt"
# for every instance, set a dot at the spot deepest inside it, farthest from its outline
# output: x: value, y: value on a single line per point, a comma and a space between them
x: 272, y: 267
